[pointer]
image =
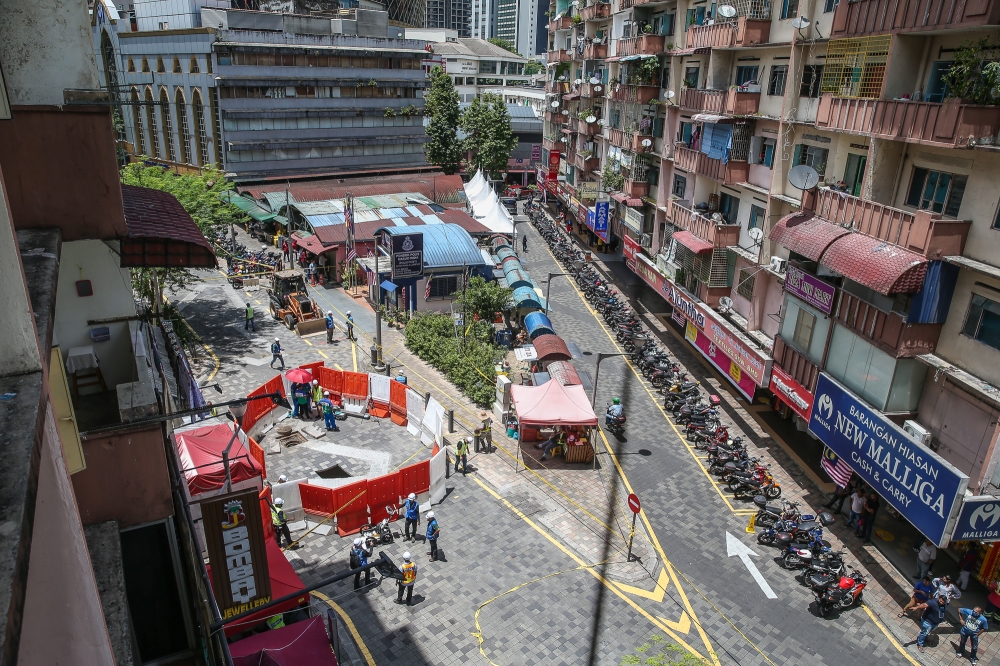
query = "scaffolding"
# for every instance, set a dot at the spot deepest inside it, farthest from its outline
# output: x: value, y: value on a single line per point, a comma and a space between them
x: 855, y: 67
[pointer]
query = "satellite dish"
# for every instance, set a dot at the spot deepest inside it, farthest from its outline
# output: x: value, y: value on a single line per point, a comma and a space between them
x: 717, y: 217
x: 597, y: 88
x: 727, y: 11
x: 803, y: 177
x: 578, y: 82
x: 562, y: 140
x: 726, y: 303
x: 669, y: 94
x: 756, y: 234
x: 565, y: 112
x: 601, y: 123
x: 800, y: 22
x: 562, y: 77
x: 598, y: 40
x: 594, y: 80
x: 554, y: 105
x: 591, y: 119
x: 646, y: 143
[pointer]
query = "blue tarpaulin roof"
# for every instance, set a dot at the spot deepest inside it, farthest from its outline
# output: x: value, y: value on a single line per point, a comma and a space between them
x: 537, y: 324
x: 527, y: 297
x: 445, y: 245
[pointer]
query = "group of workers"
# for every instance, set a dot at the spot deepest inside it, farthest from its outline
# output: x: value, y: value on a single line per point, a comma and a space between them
x: 309, y: 397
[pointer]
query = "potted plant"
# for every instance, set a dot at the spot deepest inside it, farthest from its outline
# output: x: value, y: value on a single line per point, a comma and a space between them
x: 647, y: 29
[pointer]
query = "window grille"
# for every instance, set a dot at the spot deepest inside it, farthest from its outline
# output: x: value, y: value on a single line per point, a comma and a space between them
x: 184, y: 138
x: 754, y: 9
x: 745, y: 286
x: 855, y: 67
x: 740, y: 150
x: 720, y: 267
x: 168, y: 129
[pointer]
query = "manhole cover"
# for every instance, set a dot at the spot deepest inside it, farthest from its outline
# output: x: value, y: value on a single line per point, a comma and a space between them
x: 525, y: 504
x: 335, y: 472
x: 283, y: 431
x: 292, y: 438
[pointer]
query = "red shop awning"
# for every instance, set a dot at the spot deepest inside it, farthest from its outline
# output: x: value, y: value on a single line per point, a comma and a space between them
x: 692, y: 242
x: 806, y: 234
x: 620, y: 197
x: 551, y: 348
x: 884, y: 267
x: 570, y: 97
x: 633, y: 203
x: 311, y: 243
x: 161, y: 234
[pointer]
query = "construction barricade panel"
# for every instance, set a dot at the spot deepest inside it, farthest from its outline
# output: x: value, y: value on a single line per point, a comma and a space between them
x: 332, y: 380
x: 397, y: 402
x: 355, y: 385
x: 415, y: 478
x: 258, y: 454
x: 318, y: 500
x: 265, y: 513
x: 382, y: 491
x: 353, y: 502
x: 313, y: 368
x: 378, y: 389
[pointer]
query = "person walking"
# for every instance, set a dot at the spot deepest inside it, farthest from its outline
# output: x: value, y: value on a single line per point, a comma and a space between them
x: 524, y: 244
x: 409, y: 570
x: 839, y: 497
x: 870, y: 511
x: 249, y: 320
x: 462, y: 455
x: 331, y: 326
x: 315, y: 397
x: 925, y: 558
x: 329, y: 417
x: 411, y: 510
x: 350, y: 326
x: 932, y: 616
x: 359, y: 558
x: 312, y: 272
x: 433, y: 532
x: 973, y: 625
x: 918, y: 598
x: 857, y: 507
x: 965, y: 566
x: 284, y: 248
x: 276, y: 353
x: 279, y: 522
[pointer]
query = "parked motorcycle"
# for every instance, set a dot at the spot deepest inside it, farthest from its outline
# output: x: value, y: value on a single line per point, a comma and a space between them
x: 381, y: 533
x: 839, y: 593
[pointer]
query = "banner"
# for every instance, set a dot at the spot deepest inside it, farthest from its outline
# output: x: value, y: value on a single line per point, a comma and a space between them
x: 536, y: 152
x: 743, y: 382
x: 630, y: 247
x: 979, y: 520
x: 234, y: 538
x: 553, y: 166
x: 588, y: 190
x: 791, y: 392
x: 407, y: 255
x: 810, y: 289
x: 918, y: 483
x: 601, y: 219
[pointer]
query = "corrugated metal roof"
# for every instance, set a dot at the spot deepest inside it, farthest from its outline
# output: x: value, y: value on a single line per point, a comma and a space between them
x: 445, y: 245
x: 439, y: 187
x: 276, y: 200
x: 322, y: 207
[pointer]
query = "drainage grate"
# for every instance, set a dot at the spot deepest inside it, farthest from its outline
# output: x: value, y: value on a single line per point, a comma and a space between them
x: 335, y: 472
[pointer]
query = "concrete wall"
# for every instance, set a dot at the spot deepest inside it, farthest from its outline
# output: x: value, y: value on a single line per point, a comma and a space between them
x: 970, y: 355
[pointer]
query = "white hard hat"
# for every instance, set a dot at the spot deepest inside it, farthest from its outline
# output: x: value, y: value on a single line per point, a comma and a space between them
x: 278, y: 501
x: 326, y: 393
x: 411, y: 496
x: 282, y: 478
x: 315, y: 381
x: 357, y: 542
x: 276, y: 340
x: 348, y: 312
x: 406, y: 556
x: 430, y: 514
x: 329, y: 312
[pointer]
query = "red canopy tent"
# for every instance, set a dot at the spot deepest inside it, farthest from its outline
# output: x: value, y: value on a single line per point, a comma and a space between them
x: 200, y: 452
x: 552, y: 404
x: 304, y: 642
x: 284, y: 581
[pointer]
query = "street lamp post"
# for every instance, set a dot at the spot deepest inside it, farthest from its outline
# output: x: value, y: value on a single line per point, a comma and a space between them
x: 548, y: 286
x: 597, y: 372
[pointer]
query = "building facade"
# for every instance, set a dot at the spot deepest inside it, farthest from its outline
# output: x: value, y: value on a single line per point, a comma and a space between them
x: 524, y: 24
x: 477, y: 65
x: 450, y: 15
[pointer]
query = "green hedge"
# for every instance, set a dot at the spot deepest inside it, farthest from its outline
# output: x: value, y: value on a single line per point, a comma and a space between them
x: 432, y: 338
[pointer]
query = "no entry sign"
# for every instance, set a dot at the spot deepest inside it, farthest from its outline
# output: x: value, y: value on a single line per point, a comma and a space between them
x: 633, y: 503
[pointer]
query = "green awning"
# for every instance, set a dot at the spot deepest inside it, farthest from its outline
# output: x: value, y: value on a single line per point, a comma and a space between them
x: 260, y: 214
x: 244, y: 204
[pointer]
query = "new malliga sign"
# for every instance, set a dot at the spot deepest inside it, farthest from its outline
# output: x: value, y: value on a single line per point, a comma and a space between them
x: 912, y: 478
x: 979, y: 520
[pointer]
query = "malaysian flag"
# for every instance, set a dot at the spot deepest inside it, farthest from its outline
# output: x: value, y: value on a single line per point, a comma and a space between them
x: 349, y: 217
x: 427, y: 289
x: 372, y: 275
x: 836, y: 467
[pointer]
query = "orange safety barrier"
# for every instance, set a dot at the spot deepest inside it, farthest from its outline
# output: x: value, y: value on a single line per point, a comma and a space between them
x: 382, y: 490
x: 265, y: 512
x: 258, y: 454
x: 313, y: 368
x: 331, y: 380
x: 397, y: 402
x: 318, y: 500
x: 355, y: 514
x: 258, y: 408
x: 355, y: 385
x: 415, y: 478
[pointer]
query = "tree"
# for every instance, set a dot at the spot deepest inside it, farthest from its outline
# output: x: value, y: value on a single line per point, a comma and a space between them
x: 503, y: 43
x: 975, y: 74
x: 533, y: 67
x: 489, y: 139
x: 484, y: 299
x: 444, y: 148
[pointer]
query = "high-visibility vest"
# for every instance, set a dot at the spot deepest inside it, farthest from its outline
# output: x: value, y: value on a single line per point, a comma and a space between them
x: 462, y: 448
x: 249, y: 311
x: 409, y: 570
x: 317, y: 393
x: 277, y: 516
x: 276, y: 621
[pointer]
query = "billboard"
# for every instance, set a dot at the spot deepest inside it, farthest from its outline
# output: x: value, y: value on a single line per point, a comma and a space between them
x: 407, y: 255
x: 979, y: 520
x: 234, y: 537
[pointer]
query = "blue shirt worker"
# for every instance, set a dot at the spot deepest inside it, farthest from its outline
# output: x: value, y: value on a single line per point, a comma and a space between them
x: 276, y: 354
x: 359, y: 558
x: 412, y: 515
x: 328, y: 414
x: 973, y: 624
x: 433, y: 532
x: 350, y: 325
x: 933, y: 616
x: 330, y: 327
x: 300, y: 404
x: 409, y: 570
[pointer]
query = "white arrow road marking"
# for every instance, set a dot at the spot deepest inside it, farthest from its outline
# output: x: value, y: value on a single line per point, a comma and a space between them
x: 736, y: 547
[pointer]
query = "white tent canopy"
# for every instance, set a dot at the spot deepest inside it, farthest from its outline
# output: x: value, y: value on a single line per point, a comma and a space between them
x: 486, y: 206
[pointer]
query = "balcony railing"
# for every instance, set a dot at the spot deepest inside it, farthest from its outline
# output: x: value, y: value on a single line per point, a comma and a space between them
x: 550, y: 144
x: 923, y: 232
x: 731, y: 102
x: 793, y: 362
x: 630, y: 140
x: 876, y: 17
x: 586, y: 163
x: 731, y: 173
x: 563, y: 23
x: 741, y: 32
x: 719, y: 235
x: 561, y: 55
x: 589, y: 129
x: 622, y: 92
x: 642, y: 45
x: 636, y: 189
x: 592, y: 90
x: 948, y: 124
x: 887, y: 330
x: 601, y: 10
x: 595, y: 51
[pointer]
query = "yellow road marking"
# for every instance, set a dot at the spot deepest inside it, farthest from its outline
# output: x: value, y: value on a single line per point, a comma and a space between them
x: 658, y: 592
x: 337, y: 365
x: 350, y: 626
x: 354, y: 354
x: 683, y: 625
x: 892, y: 639
x: 320, y: 352
x: 307, y: 342
x: 211, y: 353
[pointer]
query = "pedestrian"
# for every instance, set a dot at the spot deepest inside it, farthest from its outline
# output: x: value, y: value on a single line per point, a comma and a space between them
x: 350, y: 325
x: 276, y: 354
x: 945, y: 586
x: 315, y: 397
x: 324, y: 273
x: 359, y: 558
x: 870, y: 511
x: 329, y: 416
x: 412, y: 515
x: 301, y: 394
x: 918, y: 598
x: 433, y: 531
x: 284, y: 248
x: 524, y: 244
x: 925, y: 558
x: 839, y: 496
x: 462, y: 455
x: 409, y: 570
x: 965, y: 566
x: 249, y: 320
x: 303, y: 258
x: 973, y: 625
x: 857, y: 506
x: 312, y: 272
x: 280, y: 522
x: 330, y: 327
x: 932, y: 616
x: 993, y: 601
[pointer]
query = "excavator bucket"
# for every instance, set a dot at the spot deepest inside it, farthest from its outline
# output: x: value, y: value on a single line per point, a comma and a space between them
x: 310, y: 326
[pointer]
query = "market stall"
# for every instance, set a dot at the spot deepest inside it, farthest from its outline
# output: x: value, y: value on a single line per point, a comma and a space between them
x: 536, y: 323
x: 544, y: 410
x: 304, y: 642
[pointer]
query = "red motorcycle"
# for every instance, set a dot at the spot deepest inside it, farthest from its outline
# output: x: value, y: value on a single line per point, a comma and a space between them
x: 837, y: 592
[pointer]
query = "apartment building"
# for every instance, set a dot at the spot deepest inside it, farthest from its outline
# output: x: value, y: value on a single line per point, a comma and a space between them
x: 877, y: 284
x: 477, y: 65
x: 523, y: 23
x: 450, y: 15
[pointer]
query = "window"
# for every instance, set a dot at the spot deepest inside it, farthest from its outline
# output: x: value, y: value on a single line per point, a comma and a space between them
x: 804, y: 325
x: 776, y: 84
x: 762, y: 151
x: 983, y: 321
x: 746, y: 74
x: 443, y: 286
x: 168, y: 130
x: 729, y: 207
x: 160, y: 67
x: 691, y: 75
x: 883, y: 382
x: 201, y: 136
x: 830, y: 5
x: 936, y: 191
x: 145, y: 64
x: 177, y: 65
x: 757, y: 215
x: 140, y: 131
x: 665, y: 77
x: 194, y: 65
x: 996, y: 219
x: 745, y: 286
x: 680, y: 185
x: 184, y: 138
x: 855, y: 67
x: 131, y: 65
x: 792, y: 332
x: 154, y: 132
x: 898, y: 303
x: 813, y: 156
x: 789, y: 9
x: 811, y: 76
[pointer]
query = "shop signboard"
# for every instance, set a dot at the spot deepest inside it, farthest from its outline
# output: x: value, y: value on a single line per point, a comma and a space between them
x: 588, y: 190
x: 553, y: 165
x: 791, y: 392
x: 630, y: 247
x: 601, y: 215
x: 810, y: 289
x: 914, y: 480
x: 234, y: 537
x: 979, y: 519
x: 743, y: 382
x: 536, y: 152
x: 633, y: 219
x: 407, y: 255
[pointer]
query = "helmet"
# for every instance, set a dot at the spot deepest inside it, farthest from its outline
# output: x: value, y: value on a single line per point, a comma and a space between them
x: 406, y: 556
x: 430, y: 514
x: 357, y: 542
x: 315, y: 381
x: 279, y: 502
x: 617, y: 401
x: 348, y: 313
x: 282, y: 479
x: 330, y: 312
x: 411, y: 496
x: 276, y: 340
x: 326, y: 393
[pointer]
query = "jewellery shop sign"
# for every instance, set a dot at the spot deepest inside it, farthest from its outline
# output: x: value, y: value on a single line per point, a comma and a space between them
x: 917, y: 482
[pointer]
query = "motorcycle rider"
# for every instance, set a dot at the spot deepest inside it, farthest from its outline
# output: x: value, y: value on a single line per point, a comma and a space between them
x: 412, y: 509
x: 615, y: 411
x: 359, y: 558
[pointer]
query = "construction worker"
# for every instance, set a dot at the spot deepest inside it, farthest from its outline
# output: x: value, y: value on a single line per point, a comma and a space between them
x: 359, y: 558
x: 300, y: 393
x: 330, y: 327
x: 409, y: 569
x: 315, y: 397
x: 249, y: 321
x: 484, y: 439
x: 276, y: 621
x: 412, y: 509
x: 276, y: 354
x: 282, y: 479
x: 350, y: 325
x: 329, y: 417
x: 279, y: 521
x: 433, y: 532
x: 462, y: 455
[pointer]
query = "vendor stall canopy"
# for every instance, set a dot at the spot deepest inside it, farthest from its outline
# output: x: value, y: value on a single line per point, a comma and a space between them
x: 200, y: 451
x: 552, y: 404
x: 537, y: 324
x: 304, y: 642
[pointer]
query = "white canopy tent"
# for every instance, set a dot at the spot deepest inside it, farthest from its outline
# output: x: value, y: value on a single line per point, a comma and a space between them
x: 486, y: 206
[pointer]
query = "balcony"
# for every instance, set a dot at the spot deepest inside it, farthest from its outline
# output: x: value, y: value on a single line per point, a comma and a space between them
x: 642, y: 45
x: 742, y: 32
x: 629, y: 140
x: 563, y: 23
x: 600, y: 10
x: 595, y: 51
x: 551, y: 144
x: 731, y: 102
x: 732, y: 173
x: 561, y: 55
x: 923, y: 232
x: 589, y: 129
x: 948, y: 124
x: 592, y: 90
x: 876, y: 17
x: 635, y: 189
x: 586, y: 162
x: 622, y: 92
x: 887, y: 330
x: 793, y: 362
x: 719, y: 235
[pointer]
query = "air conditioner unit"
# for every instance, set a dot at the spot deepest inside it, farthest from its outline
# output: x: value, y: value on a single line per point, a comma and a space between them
x: 646, y: 240
x: 778, y: 264
x: 918, y: 433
